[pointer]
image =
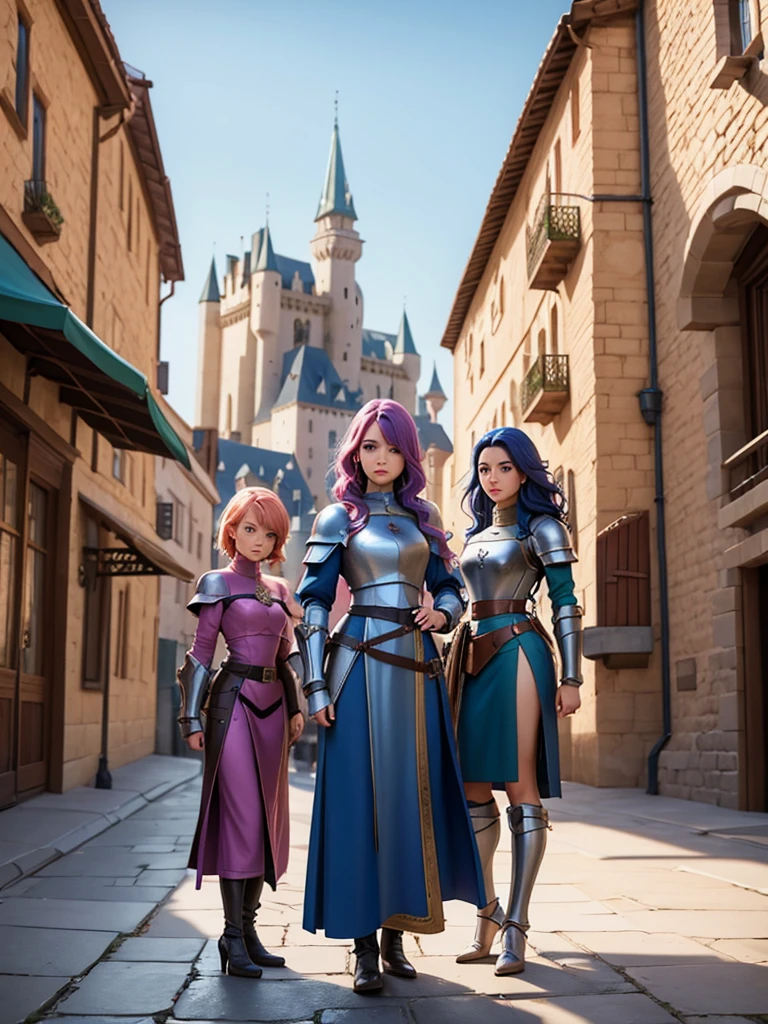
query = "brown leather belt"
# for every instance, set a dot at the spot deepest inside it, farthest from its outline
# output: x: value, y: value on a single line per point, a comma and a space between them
x: 261, y: 673
x: 485, y: 609
x: 482, y: 648
x: 431, y: 668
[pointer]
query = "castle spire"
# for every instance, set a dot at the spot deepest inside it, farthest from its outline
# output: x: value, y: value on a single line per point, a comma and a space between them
x: 266, y: 260
x: 336, y: 197
x: 404, y: 344
x: 435, y: 387
x: 210, y: 292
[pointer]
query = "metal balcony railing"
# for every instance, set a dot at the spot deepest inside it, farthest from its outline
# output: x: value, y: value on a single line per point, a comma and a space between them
x: 551, y: 223
x: 547, y: 374
x: 748, y: 466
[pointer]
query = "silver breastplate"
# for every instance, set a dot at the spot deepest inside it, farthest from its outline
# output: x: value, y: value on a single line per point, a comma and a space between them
x: 385, y: 562
x: 495, y: 568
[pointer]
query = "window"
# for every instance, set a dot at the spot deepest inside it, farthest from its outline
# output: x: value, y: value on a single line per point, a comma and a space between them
x: 310, y: 453
x: 558, y: 162
x: 22, y: 70
x: 346, y: 293
x: 482, y: 358
x: 553, y: 332
x: 344, y: 357
x: 178, y: 521
x: 542, y: 347
x: 740, y: 17
x: 121, y: 184
x: 308, y: 474
x: 38, y: 138
x: 575, y: 112
x: 130, y: 216
x: 118, y: 464
x: 298, y: 333
x: 309, y: 427
x: 199, y: 544
x: 503, y: 414
x: 10, y: 536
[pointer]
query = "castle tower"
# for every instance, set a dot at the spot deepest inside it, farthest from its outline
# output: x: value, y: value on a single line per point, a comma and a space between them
x: 336, y: 248
x: 209, y: 354
x: 405, y: 355
x: 435, y: 396
x: 266, y: 286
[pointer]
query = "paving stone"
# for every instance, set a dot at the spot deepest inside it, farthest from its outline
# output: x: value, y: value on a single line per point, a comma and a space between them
x: 168, y: 876
x: 87, y: 915
x: 717, y: 988
x: 74, y: 888
x: 702, y: 898
x: 301, y: 961
x: 625, y: 949
x: 372, y: 1015
x: 124, y: 988
x: 751, y: 951
x: 50, y: 952
x: 439, y: 975
x: 708, y: 924
x: 715, y: 1020
x: 187, y: 922
x: 148, y: 949
x: 101, y: 1020
x: 472, y: 1010
x: 132, y: 831
x: 240, y: 999
x: 604, y: 1009
x: 104, y: 862
x: 21, y: 996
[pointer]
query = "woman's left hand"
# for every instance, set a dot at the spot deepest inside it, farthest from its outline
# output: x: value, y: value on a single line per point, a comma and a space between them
x: 428, y: 619
x: 567, y: 701
x: 295, y: 728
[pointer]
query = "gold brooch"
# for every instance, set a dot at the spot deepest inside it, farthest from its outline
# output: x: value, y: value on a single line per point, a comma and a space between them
x: 263, y: 594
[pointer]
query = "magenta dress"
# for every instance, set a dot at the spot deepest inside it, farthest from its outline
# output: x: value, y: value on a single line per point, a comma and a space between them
x: 242, y: 830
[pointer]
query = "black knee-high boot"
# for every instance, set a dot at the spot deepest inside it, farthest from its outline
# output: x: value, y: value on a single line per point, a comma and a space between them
x: 367, y: 974
x: 393, y: 957
x: 254, y: 945
x: 234, y: 955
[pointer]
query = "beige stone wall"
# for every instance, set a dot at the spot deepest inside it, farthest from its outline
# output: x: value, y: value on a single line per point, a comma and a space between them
x: 125, y: 317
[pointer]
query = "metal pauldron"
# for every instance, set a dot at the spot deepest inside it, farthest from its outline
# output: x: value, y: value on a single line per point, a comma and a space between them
x: 567, y: 624
x: 311, y: 637
x: 193, y: 678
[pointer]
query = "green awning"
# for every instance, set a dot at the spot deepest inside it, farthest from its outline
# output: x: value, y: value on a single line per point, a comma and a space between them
x: 109, y: 394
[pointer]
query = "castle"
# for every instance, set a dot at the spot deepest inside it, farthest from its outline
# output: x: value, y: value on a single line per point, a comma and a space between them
x: 284, y: 358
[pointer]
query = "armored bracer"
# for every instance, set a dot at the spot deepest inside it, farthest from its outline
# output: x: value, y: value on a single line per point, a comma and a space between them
x: 311, y: 636
x: 194, y: 679
x: 289, y: 673
x: 452, y: 602
x: 567, y: 623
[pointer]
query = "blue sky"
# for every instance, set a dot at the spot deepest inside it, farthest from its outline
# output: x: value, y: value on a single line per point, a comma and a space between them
x: 429, y: 94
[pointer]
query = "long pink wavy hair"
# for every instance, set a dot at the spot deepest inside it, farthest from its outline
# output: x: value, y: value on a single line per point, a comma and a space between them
x: 399, y: 430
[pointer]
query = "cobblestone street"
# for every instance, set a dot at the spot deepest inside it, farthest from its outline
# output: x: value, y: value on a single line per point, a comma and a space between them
x: 649, y: 910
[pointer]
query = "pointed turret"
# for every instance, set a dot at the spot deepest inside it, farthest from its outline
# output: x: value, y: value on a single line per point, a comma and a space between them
x: 406, y: 355
x: 266, y: 260
x: 209, y: 353
x: 404, y: 344
x: 336, y: 197
x: 435, y: 397
x: 210, y: 292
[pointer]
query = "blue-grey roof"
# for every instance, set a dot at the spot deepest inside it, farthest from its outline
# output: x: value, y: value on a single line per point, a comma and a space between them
x: 404, y: 344
x: 432, y: 434
x: 284, y: 265
x: 210, y: 292
x: 266, y: 260
x: 435, y: 387
x: 336, y: 197
x: 375, y: 344
x: 236, y: 460
x: 310, y: 376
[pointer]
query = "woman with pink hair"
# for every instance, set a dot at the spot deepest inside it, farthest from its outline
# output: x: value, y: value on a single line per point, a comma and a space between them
x: 252, y: 718
x: 391, y: 837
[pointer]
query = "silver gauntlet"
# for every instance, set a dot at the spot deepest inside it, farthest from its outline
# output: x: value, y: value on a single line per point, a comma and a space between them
x: 567, y: 623
x: 311, y: 636
x: 193, y: 679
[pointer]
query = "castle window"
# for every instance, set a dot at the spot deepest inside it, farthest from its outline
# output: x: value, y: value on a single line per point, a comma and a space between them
x: 346, y: 293
x: 309, y: 427
x: 344, y: 357
x: 740, y: 16
x: 331, y: 439
x: 298, y: 333
x: 310, y: 454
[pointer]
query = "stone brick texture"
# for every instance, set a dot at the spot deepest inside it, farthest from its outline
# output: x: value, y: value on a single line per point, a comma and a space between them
x: 127, y: 280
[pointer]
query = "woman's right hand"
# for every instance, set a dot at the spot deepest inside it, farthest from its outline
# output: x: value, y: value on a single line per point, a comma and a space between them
x: 326, y: 717
x: 196, y: 741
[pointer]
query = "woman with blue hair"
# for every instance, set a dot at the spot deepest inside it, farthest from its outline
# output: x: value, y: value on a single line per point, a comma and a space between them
x: 504, y: 693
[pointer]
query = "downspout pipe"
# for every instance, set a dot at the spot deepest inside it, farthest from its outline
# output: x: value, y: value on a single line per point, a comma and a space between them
x: 651, y: 402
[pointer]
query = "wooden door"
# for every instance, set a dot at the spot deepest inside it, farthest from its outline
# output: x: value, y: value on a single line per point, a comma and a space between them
x: 12, y: 474
x: 753, y: 753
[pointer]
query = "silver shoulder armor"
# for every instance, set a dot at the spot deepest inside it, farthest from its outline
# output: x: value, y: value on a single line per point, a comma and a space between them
x: 551, y: 541
x: 331, y: 528
x: 211, y: 588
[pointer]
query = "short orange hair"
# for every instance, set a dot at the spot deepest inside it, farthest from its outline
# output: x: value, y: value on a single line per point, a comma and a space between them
x: 269, y: 511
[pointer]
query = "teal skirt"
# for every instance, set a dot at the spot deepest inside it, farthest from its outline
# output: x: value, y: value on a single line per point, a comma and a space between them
x: 487, y: 729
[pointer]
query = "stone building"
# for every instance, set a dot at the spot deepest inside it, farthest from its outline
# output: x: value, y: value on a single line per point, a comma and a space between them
x: 635, y: 169
x: 87, y: 235
x: 284, y: 358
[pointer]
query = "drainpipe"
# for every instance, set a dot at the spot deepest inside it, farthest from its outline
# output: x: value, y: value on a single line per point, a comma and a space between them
x: 651, y: 404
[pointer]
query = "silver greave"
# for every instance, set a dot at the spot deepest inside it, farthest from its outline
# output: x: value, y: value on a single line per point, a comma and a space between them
x: 485, y: 822
x: 528, y: 824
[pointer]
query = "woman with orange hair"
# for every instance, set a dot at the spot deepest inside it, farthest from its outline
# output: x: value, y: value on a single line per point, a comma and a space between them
x: 252, y: 718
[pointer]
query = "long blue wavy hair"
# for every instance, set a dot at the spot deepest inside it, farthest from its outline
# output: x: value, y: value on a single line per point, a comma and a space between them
x: 539, y: 495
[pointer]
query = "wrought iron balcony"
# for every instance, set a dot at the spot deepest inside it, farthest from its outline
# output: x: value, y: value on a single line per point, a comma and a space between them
x: 552, y: 243
x: 545, y: 390
x: 41, y: 214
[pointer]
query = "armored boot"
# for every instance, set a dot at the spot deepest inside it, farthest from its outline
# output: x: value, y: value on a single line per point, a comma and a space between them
x: 256, y: 951
x: 234, y: 956
x: 529, y: 824
x: 485, y: 822
x: 367, y: 973
x: 393, y: 958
